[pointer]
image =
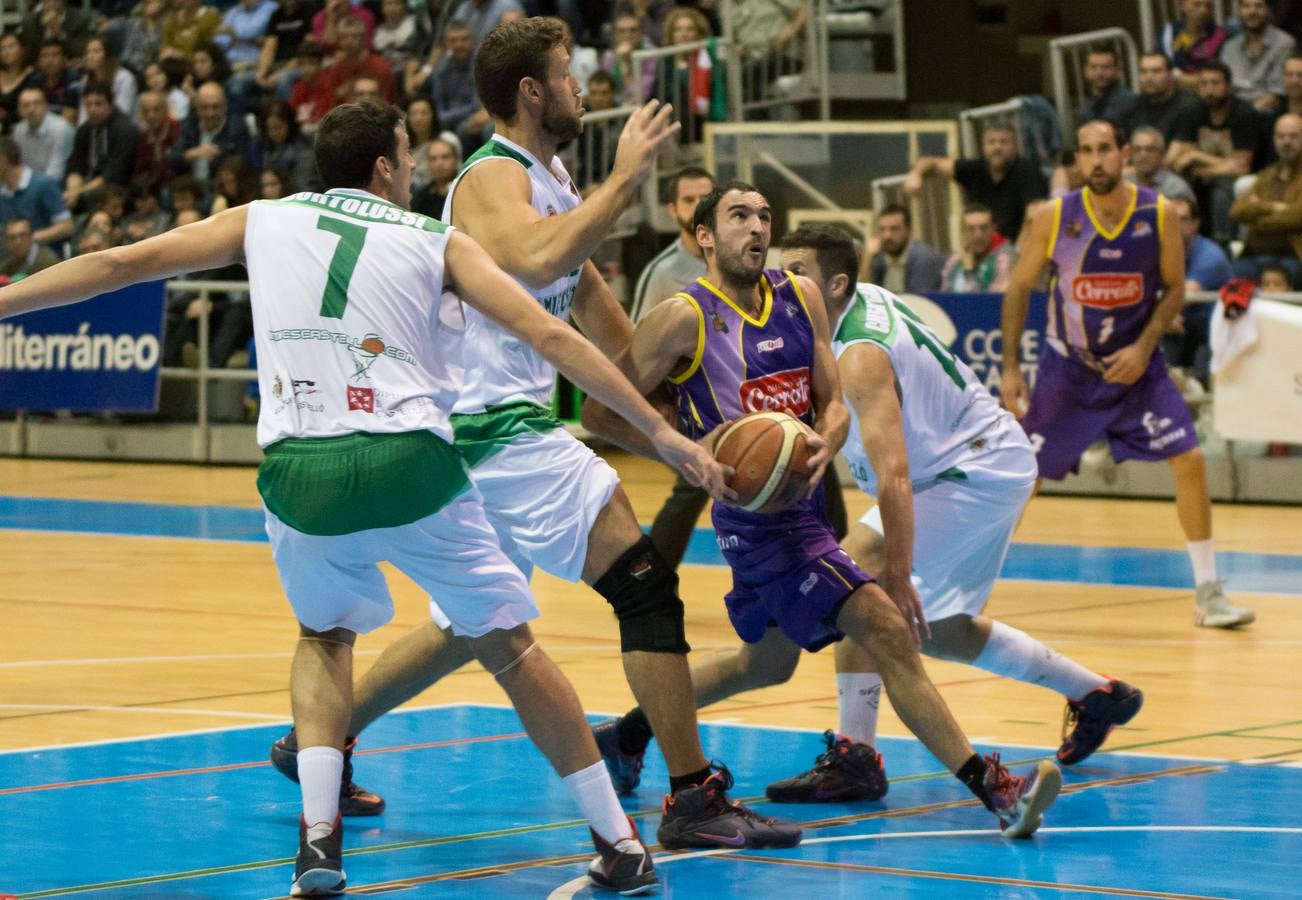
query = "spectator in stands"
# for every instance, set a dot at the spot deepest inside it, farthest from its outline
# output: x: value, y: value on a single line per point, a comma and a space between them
x: 23, y: 255
x: 902, y: 264
x: 1256, y: 57
x: 102, y: 148
x: 596, y: 146
x: 240, y: 37
x: 55, y: 20
x: 452, y: 86
x: 768, y: 27
x: 1066, y: 177
x: 982, y: 267
x: 682, y: 262
x: 422, y: 127
x: 325, y: 24
x: 631, y: 86
x: 1275, y: 280
x: 482, y: 16
x: 151, y: 162
x: 29, y: 195
x: 209, y: 136
x: 364, y: 89
x: 1148, y: 165
x: 166, y: 76
x: 15, y: 76
x: 1292, y: 102
x: 1163, y: 104
x: 289, y: 26
x: 1226, y: 142
x: 273, y: 184
x: 142, y: 34
x: 353, y: 61
x: 207, y: 63
x: 310, y: 98
x: 44, y: 137
x: 397, y: 37
x: 442, y: 163
x: 1002, y: 180
x: 147, y: 217
x: 99, y: 64
x: 187, y: 197
x: 58, y: 81
x: 599, y: 93
x: 1108, y: 97
x: 685, y: 78
x: 190, y: 24
x: 93, y: 240
x: 234, y: 184
x: 282, y: 147
x: 1192, y: 40
x: 1272, y: 209
x: 1206, y: 268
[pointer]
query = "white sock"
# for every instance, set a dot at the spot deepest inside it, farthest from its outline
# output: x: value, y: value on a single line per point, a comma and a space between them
x: 1203, y: 556
x: 320, y: 770
x: 1015, y: 654
x: 592, y: 790
x: 859, y: 694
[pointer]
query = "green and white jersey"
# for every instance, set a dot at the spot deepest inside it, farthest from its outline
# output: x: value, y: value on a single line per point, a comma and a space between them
x: 948, y: 415
x: 346, y: 291
x: 499, y: 367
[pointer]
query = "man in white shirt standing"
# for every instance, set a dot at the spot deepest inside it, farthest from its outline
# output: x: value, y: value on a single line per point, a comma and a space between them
x: 44, y: 138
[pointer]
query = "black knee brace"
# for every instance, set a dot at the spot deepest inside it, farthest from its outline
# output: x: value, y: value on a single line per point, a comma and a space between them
x: 642, y: 588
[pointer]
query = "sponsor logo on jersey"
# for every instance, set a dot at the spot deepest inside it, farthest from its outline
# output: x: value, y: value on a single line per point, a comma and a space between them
x: 808, y: 584
x: 299, y: 388
x: 1155, y: 425
x: 1110, y: 253
x: 551, y: 210
x: 731, y: 542
x: 1142, y: 229
x: 1108, y: 291
x: 1073, y: 229
x: 361, y: 398
x: 765, y: 346
x: 788, y: 390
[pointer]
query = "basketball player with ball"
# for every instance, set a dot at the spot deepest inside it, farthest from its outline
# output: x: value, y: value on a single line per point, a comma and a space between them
x: 741, y: 340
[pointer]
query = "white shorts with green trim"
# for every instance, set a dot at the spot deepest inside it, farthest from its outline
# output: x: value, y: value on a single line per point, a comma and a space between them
x: 963, y: 527
x: 332, y: 581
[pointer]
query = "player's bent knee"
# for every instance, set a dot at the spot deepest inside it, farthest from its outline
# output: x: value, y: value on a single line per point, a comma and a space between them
x: 502, y: 649
x: 342, y: 636
x: 869, y: 617
x: 642, y: 588
x: 954, y: 637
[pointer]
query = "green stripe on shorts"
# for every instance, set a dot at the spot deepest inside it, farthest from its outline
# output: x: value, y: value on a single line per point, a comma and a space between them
x: 480, y: 435
x: 340, y: 485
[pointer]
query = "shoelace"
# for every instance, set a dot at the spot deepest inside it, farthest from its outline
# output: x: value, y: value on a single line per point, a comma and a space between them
x: 718, y: 801
x: 1000, y: 781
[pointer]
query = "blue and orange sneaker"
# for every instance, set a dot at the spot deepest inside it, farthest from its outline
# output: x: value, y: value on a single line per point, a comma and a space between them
x: 353, y: 799
x: 847, y: 772
x: 1089, y: 720
x: 625, y: 768
x: 703, y: 816
x: 1020, y: 800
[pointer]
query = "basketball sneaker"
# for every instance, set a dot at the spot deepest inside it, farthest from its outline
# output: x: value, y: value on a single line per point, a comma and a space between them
x: 624, y: 866
x: 703, y: 816
x: 1213, y: 610
x: 847, y: 772
x: 353, y: 800
x: 1020, y: 800
x: 625, y: 768
x: 319, y: 869
x: 1089, y: 720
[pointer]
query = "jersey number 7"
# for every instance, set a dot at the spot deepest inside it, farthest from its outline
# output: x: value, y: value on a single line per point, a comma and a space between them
x: 342, y: 264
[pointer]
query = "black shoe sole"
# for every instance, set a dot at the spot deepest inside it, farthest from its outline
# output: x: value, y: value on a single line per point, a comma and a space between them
x: 800, y: 797
x: 692, y: 842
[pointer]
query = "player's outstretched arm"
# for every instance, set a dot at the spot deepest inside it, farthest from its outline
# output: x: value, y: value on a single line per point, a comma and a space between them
x: 214, y: 242
x: 831, y: 418
x: 494, y: 293
x: 868, y: 380
x: 1012, y: 323
x: 599, y: 315
x: 493, y: 204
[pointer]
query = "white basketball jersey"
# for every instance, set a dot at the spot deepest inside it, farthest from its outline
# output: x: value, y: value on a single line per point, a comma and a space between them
x: 500, y: 368
x: 345, y: 290
x: 945, y: 408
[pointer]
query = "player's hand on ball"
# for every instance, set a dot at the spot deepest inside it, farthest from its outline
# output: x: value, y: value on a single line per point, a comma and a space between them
x: 1013, y: 392
x: 1126, y: 365
x: 697, y: 464
x: 820, y: 456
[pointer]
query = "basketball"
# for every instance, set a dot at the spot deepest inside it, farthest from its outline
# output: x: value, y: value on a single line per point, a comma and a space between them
x: 770, y: 455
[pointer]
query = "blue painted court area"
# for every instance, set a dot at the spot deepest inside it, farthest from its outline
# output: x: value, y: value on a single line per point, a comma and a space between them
x: 1136, y: 567
x: 474, y: 811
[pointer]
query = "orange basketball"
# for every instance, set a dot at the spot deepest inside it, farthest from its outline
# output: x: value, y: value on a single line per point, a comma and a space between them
x: 770, y: 456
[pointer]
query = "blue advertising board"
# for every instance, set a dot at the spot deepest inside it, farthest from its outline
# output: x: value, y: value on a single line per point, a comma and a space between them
x: 102, y: 355
x: 969, y: 323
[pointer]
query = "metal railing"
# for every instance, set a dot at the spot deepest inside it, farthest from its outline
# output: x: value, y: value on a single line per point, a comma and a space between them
x: 1066, y: 65
x: 934, y: 211
x: 672, y: 83
x: 760, y: 84
x: 1155, y: 14
x: 591, y: 157
x: 972, y: 122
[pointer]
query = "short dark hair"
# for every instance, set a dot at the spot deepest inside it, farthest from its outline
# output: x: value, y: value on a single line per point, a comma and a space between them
x: 94, y: 86
x: 1275, y: 267
x: 707, y: 211
x: 187, y: 184
x: 9, y: 151
x: 509, y: 53
x: 972, y: 208
x: 1216, y: 65
x: 671, y: 184
x: 1118, y: 132
x: 832, y: 245
x: 897, y: 209
x: 1166, y: 60
x: 351, y: 138
x: 601, y: 76
x: 1190, y: 201
x: 1103, y: 49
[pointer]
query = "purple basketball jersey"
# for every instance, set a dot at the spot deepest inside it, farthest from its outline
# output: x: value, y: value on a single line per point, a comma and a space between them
x: 1104, y: 283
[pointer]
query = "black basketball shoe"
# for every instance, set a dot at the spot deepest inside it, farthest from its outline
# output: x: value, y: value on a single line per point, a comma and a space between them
x: 847, y: 772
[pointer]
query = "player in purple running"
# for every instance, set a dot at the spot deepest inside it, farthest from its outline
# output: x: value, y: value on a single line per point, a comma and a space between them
x: 1118, y: 281
x: 745, y: 339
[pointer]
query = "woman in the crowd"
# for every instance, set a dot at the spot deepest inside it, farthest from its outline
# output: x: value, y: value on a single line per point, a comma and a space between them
x: 99, y: 64
x: 283, y: 148
x: 15, y: 75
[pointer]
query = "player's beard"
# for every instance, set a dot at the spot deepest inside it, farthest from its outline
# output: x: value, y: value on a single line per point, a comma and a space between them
x: 1104, y: 183
x: 559, y: 123
x: 736, y: 268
